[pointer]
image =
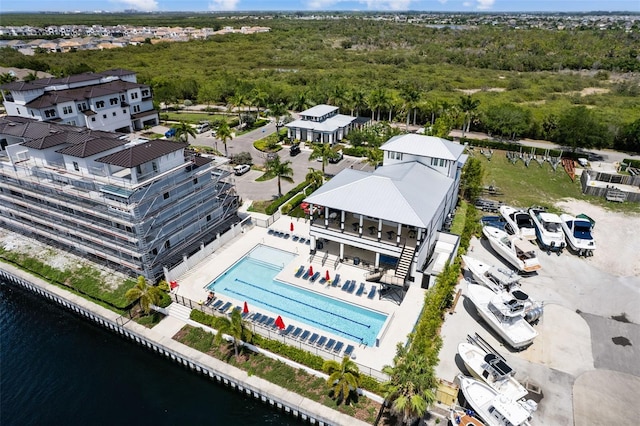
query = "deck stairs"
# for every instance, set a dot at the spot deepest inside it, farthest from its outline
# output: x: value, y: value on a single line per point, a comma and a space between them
x: 179, y: 311
x: 404, y: 263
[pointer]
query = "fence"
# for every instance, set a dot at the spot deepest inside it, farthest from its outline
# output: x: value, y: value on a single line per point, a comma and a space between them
x: 265, y: 223
x: 610, y: 192
x: 189, y: 262
x: 273, y: 334
x: 305, y: 412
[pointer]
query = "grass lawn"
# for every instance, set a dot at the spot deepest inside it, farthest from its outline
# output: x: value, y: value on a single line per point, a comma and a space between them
x: 524, y: 186
x: 295, y: 380
x: 458, y: 221
x: 194, y: 117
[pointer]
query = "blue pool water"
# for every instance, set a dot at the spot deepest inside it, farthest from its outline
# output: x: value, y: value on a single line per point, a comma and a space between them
x: 252, y: 279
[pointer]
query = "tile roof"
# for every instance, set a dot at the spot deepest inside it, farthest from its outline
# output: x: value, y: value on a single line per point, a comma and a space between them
x: 92, y: 147
x: 142, y: 153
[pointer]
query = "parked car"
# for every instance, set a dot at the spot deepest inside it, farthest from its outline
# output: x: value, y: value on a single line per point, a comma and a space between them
x: 170, y: 133
x: 272, y: 156
x: 203, y: 127
x: 294, y: 150
x: 241, y: 169
x: 336, y: 158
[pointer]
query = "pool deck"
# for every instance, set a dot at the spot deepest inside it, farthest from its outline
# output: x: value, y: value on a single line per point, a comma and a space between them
x: 403, y: 317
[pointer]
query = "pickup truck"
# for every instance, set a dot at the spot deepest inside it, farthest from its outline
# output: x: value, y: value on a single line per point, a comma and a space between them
x: 170, y: 133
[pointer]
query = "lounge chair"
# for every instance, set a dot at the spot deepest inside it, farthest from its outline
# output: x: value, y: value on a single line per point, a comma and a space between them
x: 300, y: 271
x: 372, y: 292
x: 346, y: 285
x: 360, y: 290
x: 306, y: 275
x: 296, y: 332
x: 217, y: 304
x: 308, y: 242
x: 338, y: 347
x: 295, y: 238
x: 352, y: 286
x: 256, y: 318
x: 286, y: 236
x: 264, y: 319
x: 305, y: 335
x: 288, y: 330
x: 348, y: 351
x: 313, y: 338
x: 321, y: 341
x: 314, y: 277
x: 225, y: 307
x: 270, y: 322
x: 322, y: 280
x: 302, y: 240
x: 329, y: 345
x: 336, y: 281
x: 270, y: 232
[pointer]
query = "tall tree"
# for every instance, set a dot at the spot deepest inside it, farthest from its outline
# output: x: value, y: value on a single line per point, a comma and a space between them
x: 410, y: 97
x: 471, y: 179
x: 324, y: 152
x: 183, y: 131
x: 236, y: 327
x: 301, y: 101
x: 468, y: 105
x: 315, y: 178
x: 507, y: 120
x: 7, y: 78
x: 578, y: 127
x: 238, y: 101
x: 356, y: 100
x: 344, y: 378
x: 281, y: 170
x: 146, y: 294
x: 224, y: 133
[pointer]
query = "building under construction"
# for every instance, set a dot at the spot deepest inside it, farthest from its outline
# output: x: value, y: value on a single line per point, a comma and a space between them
x: 135, y: 205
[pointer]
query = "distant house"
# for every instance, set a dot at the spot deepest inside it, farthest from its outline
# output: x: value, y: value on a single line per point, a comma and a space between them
x: 322, y: 123
x: 392, y: 216
x: 111, y: 100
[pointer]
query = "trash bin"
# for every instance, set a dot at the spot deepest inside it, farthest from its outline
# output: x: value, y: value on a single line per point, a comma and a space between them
x: 356, y: 260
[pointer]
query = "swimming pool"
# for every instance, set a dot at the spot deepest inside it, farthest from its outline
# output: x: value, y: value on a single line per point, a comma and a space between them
x: 252, y: 279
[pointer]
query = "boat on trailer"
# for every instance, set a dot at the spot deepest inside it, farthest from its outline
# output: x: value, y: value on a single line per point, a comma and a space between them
x: 548, y: 230
x: 499, y: 279
x: 519, y: 222
x: 515, y: 250
x: 462, y: 417
x: 504, y: 313
x: 578, y: 233
x: 491, y: 369
x: 492, y: 407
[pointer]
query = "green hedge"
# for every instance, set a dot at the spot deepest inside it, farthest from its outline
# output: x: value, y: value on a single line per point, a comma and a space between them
x: 356, y: 151
x: 273, y: 207
x: 295, y: 201
x: 201, y: 317
x: 631, y: 163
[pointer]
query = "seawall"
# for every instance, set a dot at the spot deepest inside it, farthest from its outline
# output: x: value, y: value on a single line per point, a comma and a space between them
x: 279, y: 398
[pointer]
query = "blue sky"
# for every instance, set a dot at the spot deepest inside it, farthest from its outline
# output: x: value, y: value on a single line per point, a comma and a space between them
x: 310, y: 5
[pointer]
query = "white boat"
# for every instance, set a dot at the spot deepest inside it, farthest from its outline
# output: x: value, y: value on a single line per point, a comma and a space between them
x: 505, y: 313
x: 499, y: 279
x: 513, y: 249
x: 548, y: 229
x: 495, y: 409
x: 492, y: 370
x: 462, y: 417
x: 578, y: 232
x: 519, y: 222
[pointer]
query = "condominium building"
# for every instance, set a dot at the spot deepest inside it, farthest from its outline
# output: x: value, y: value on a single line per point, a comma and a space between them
x: 112, y: 101
x: 136, y: 205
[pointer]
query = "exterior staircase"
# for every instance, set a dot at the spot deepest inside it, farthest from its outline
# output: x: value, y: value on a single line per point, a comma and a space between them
x: 179, y: 311
x: 404, y: 263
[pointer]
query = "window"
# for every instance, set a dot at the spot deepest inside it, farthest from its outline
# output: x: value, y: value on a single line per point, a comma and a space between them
x: 82, y: 106
x: 442, y: 162
x: 136, y: 108
x: 195, y: 181
x: 18, y: 110
x: 434, y: 161
x: 145, y: 93
x: 67, y: 110
x: 104, y: 115
x: 113, y: 101
x: 93, y: 119
x: 165, y: 195
x: 155, y: 166
x: 208, y: 218
x: 113, y: 113
x: 76, y: 167
x: 31, y: 111
x: 389, y: 154
x: 138, y: 169
x: 100, y: 104
x: 50, y: 113
x: 134, y: 95
x: 398, y: 156
x: 122, y: 98
x: 154, y: 251
x: 124, y: 111
x: 167, y: 244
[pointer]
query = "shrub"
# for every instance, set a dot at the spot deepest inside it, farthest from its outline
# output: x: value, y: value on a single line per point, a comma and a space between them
x: 165, y: 300
x: 201, y: 317
x: 293, y: 203
x: 273, y: 207
x: 241, y: 158
x: 356, y: 151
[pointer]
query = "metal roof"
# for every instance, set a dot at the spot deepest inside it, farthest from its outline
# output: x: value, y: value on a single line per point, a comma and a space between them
x: 407, y: 193
x: 82, y: 93
x: 142, y: 153
x: 331, y: 124
x: 45, y: 82
x: 319, y: 110
x: 424, y: 146
x: 92, y: 147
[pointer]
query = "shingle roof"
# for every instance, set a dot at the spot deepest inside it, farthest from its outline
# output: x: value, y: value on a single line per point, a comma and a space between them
x: 424, y: 146
x: 142, y: 153
x: 407, y: 193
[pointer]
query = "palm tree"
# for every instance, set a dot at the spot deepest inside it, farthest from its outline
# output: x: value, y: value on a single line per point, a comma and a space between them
x: 236, y: 327
x: 374, y: 156
x: 356, y: 100
x: 280, y: 169
x: 224, y: 133
x: 344, y: 378
x: 238, y: 100
x: 278, y: 110
x: 301, y: 101
x: 7, y: 78
x: 410, y: 96
x: 315, y: 178
x: 183, y: 131
x: 468, y: 105
x: 147, y: 295
x: 324, y: 151
x: 409, y: 389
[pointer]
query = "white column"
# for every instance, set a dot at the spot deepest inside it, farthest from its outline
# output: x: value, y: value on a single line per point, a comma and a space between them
x: 311, y: 214
x: 313, y: 242
x: 377, y: 262
x: 360, y: 225
x: 398, y: 233
x: 326, y: 217
x: 342, y: 217
x: 379, y: 229
x: 341, y: 251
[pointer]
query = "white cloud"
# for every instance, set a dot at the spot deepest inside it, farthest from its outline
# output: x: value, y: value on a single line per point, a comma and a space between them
x: 442, y: 1
x: 370, y: 4
x: 223, y: 5
x: 485, y: 4
x: 467, y: 4
x: 144, y: 5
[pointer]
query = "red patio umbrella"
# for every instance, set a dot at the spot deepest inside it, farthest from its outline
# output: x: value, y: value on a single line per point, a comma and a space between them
x: 246, y: 308
x: 310, y: 269
x: 291, y: 227
x: 326, y: 276
x: 279, y: 323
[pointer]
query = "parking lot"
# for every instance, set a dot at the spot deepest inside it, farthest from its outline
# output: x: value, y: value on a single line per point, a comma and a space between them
x: 585, y: 361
